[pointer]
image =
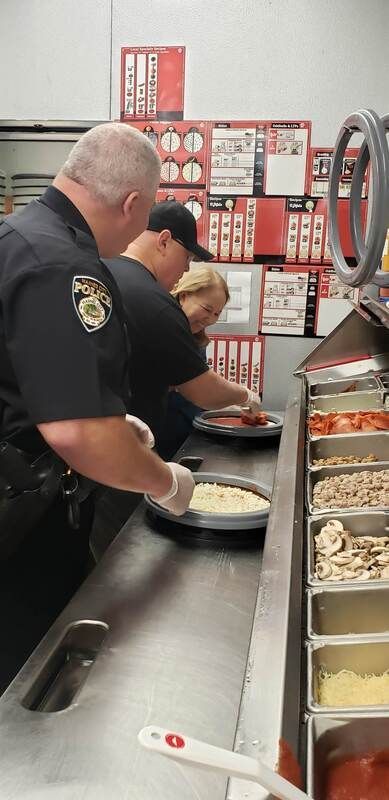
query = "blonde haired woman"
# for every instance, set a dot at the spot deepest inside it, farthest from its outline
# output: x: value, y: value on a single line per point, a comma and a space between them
x: 202, y: 294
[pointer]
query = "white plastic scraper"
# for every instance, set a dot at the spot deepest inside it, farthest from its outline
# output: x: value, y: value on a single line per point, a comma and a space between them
x: 191, y: 751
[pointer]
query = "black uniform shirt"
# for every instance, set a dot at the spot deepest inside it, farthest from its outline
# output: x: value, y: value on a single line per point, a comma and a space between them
x: 163, y: 350
x: 62, y: 339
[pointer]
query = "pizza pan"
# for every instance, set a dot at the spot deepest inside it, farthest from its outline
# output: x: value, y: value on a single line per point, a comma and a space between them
x: 214, y: 521
x: 205, y: 423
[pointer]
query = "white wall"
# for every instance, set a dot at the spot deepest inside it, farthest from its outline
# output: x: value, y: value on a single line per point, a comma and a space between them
x: 312, y: 59
x: 55, y: 59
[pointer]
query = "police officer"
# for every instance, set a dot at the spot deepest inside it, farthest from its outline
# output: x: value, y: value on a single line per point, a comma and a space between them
x: 63, y: 372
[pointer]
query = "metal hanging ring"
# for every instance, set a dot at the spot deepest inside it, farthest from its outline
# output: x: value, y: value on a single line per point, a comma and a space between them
x: 370, y: 124
x: 357, y: 236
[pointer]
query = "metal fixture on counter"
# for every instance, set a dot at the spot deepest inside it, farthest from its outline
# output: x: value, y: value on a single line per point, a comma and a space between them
x: 333, y: 388
x: 375, y: 148
x: 350, y: 401
x: 364, y: 522
x: 338, y: 445
x: 351, y: 612
x: 367, y: 656
x: 331, y: 737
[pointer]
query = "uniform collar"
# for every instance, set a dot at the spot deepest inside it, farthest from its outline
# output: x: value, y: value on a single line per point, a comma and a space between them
x: 58, y: 201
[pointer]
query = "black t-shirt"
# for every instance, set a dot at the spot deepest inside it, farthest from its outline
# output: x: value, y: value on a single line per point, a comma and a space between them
x: 63, y: 348
x: 163, y: 350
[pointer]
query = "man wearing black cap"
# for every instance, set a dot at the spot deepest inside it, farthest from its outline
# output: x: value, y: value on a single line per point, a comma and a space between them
x: 164, y: 353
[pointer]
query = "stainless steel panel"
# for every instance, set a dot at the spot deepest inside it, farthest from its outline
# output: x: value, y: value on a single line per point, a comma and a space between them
x: 270, y: 706
x: 336, y: 387
x: 347, y: 370
x: 356, y: 401
x: 179, y: 605
x: 357, y: 611
x: 314, y: 476
x: 362, y: 657
x: 362, y: 523
x: 376, y: 444
x: 335, y: 737
x: 355, y: 346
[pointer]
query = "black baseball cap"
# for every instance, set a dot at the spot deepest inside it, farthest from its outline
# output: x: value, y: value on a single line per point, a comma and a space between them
x: 176, y: 218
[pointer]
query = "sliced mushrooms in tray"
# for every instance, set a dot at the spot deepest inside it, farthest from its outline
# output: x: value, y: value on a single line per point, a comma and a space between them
x: 340, y: 556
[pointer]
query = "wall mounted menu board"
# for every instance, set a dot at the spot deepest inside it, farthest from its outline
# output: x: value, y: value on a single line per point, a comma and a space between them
x: 287, y: 155
x: 334, y: 301
x: 319, y: 167
x: 239, y: 359
x: 240, y: 228
x: 303, y: 301
x: 259, y: 158
x: 152, y: 83
x: 183, y: 149
x: 306, y: 230
x: 289, y: 300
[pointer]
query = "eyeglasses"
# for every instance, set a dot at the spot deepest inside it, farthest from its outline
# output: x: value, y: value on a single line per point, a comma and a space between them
x: 189, y: 252
x: 179, y: 241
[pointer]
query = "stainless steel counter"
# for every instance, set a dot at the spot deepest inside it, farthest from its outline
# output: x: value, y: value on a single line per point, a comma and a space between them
x: 180, y: 608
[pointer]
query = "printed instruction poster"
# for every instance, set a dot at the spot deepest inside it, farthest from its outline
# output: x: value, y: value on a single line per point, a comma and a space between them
x: 289, y: 300
x: 152, y: 83
x: 334, y: 301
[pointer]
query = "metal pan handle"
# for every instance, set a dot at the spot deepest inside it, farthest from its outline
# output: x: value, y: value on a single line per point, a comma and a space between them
x: 191, y: 462
x: 370, y: 124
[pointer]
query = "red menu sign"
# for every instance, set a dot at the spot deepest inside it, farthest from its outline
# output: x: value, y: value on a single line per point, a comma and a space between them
x: 239, y: 359
x: 152, y: 83
x: 240, y: 228
x: 319, y: 172
x: 183, y: 150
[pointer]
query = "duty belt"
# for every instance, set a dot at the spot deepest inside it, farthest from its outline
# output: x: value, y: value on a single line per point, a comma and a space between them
x: 28, y: 489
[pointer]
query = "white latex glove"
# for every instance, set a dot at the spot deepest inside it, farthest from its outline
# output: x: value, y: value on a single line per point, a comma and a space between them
x: 142, y: 431
x: 180, y: 494
x: 253, y: 402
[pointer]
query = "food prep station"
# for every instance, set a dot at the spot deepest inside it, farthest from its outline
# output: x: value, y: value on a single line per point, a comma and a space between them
x: 217, y: 634
x: 346, y: 618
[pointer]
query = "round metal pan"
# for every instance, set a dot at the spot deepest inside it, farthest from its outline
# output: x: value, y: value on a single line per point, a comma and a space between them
x: 227, y: 522
x: 204, y: 423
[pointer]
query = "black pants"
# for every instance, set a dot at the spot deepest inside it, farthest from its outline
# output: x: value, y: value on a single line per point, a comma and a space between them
x: 37, y: 582
x: 112, y: 509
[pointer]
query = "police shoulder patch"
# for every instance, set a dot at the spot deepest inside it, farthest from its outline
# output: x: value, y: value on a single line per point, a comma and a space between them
x: 92, y: 301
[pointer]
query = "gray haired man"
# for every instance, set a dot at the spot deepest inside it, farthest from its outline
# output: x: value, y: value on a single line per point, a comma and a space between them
x: 64, y: 364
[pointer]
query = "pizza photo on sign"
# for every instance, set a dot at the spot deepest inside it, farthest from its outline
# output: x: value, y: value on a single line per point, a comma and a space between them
x: 183, y: 148
x: 152, y: 83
